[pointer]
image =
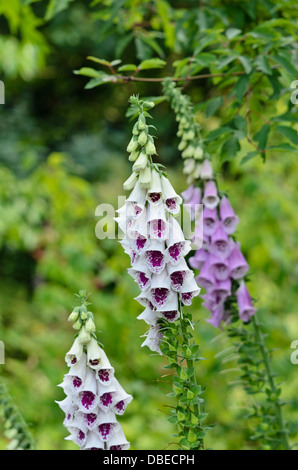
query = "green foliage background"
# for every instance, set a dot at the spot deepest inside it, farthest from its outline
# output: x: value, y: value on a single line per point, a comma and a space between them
x: 63, y: 152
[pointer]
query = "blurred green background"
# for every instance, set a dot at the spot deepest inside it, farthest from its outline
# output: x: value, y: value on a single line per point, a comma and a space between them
x: 63, y: 152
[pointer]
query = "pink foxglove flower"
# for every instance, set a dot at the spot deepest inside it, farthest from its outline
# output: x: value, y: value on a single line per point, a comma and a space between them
x: 220, y: 262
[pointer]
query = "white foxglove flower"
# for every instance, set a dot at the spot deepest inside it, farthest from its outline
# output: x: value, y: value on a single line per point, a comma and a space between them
x: 107, y: 426
x: 173, y: 201
x: 93, y: 442
x: 94, y: 354
x: 179, y: 275
x: 153, y: 339
x: 154, y: 195
x: 87, y: 399
x: 135, y: 203
x: 106, y: 395
x: 189, y: 291
x: 118, y: 442
x: 121, y: 399
x: 158, y: 226
x: 105, y: 374
x: 160, y: 289
x: 137, y: 232
x: 177, y: 246
x: 149, y: 316
x: 141, y: 274
x: 154, y: 257
x: 74, y: 355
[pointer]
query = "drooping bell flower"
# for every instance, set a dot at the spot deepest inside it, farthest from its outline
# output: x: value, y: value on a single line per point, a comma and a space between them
x: 227, y: 216
x: 210, y: 198
x: 237, y: 263
x: 245, y: 305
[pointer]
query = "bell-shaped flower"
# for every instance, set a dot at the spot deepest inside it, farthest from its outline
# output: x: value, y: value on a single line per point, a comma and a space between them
x: 160, y: 289
x: 221, y: 245
x: 118, y: 442
x: 149, y: 316
x: 219, y: 267
x: 197, y: 261
x: 245, y: 305
x: 193, y: 204
x: 206, y: 278
x: 179, y: 275
x: 87, y: 400
x: 217, y: 316
x: 177, y: 246
x: 75, y: 353
x: 130, y: 182
x: 141, y: 274
x: 170, y: 311
x: 153, y: 339
x: 206, y: 170
x: 227, y: 216
x: 238, y: 264
x: 94, y: 354
x: 154, y: 194
x: 106, y: 395
x: 74, y: 380
x: 210, y: 198
x: 130, y: 251
x: 69, y: 408
x: 105, y: 373
x: 135, y: 203
x: 78, y: 431
x: 145, y: 300
x: 138, y: 233
x: 107, y: 426
x: 93, y: 442
x: 121, y: 399
x: 189, y: 290
x: 158, y: 226
x: 155, y: 257
x: 188, y: 193
x: 89, y: 420
x: 210, y: 221
x: 145, y: 177
x: 172, y: 200
x: 221, y: 290
x: 140, y: 163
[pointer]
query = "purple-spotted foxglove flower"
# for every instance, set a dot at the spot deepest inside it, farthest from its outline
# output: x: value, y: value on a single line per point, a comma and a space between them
x: 94, y: 397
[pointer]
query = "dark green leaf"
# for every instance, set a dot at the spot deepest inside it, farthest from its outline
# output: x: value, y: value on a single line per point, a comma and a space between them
x: 288, y: 133
x: 262, y: 64
x: 213, y: 105
x: 241, y: 87
x: 154, y: 63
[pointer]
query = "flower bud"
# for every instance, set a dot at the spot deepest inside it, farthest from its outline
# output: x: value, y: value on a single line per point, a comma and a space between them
x: 133, y: 145
x: 145, y: 177
x: 140, y: 163
x: 143, y: 138
x: 141, y: 122
x: 74, y: 315
x: 77, y: 325
x: 90, y: 325
x: 150, y: 147
x: 198, y: 153
x: 84, y: 337
x: 130, y: 182
x: 133, y: 156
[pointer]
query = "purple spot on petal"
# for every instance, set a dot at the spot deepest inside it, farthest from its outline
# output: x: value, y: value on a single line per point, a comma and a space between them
x: 77, y: 382
x: 106, y: 399
x: 105, y: 430
x: 104, y: 375
x: 87, y: 399
x: 176, y: 250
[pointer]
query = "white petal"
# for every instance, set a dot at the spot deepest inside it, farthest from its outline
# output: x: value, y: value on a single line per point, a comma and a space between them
x: 118, y: 442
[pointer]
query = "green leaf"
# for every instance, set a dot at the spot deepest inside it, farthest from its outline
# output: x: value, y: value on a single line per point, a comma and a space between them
x: 248, y: 157
x: 213, y: 105
x: 128, y: 68
x: 230, y: 148
x: 99, y: 61
x: 231, y: 33
x: 55, y: 7
x: 285, y: 63
x: 241, y: 87
x: 262, y: 64
x: 261, y: 137
x: 288, y: 133
x: 154, y: 63
x: 247, y: 63
x: 102, y: 80
x: 88, y: 72
x: 225, y: 61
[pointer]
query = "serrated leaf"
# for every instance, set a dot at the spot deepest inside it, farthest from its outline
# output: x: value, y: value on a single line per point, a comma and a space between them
x: 262, y: 64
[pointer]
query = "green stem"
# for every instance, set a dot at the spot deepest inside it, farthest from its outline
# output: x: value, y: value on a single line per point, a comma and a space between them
x: 266, y: 360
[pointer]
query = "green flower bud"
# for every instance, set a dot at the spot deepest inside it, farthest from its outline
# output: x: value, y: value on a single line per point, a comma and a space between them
x: 142, y: 122
x: 77, y: 325
x: 182, y: 145
x: 145, y: 177
x: 150, y: 147
x: 90, y: 325
x: 190, y: 135
x: 133, y: 145
x: 135, y: 130
x: 133, y: 156
x: 140, y: 163
x: 198, y: 153
x: 143, y: 138
x: 188, y: 152
x: 74, y: 315
x: 84, y: 337
x: 130, y: 182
